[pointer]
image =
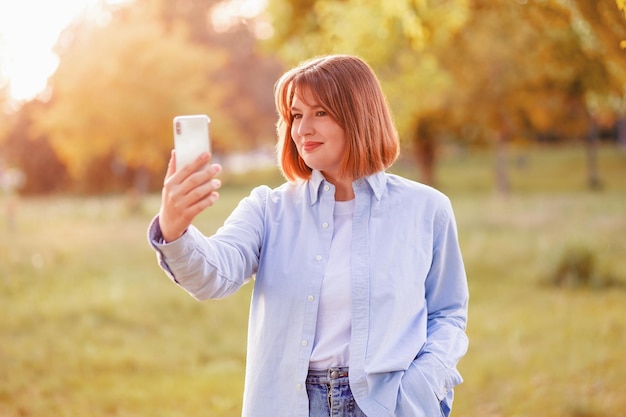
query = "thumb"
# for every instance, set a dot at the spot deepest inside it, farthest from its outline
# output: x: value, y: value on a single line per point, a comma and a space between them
x: 171, y: 165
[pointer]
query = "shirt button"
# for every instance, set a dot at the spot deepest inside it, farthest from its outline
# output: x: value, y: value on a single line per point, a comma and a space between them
x: 299, y: 387
x: 326, y: 188
x: 318, y: 258
x: 304, y: 343
x: 325, y: 225
x: 310, y: 298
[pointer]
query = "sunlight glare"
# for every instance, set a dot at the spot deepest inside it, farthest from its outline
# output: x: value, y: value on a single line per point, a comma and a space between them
x: 226, y: 15
x: 29, y: 30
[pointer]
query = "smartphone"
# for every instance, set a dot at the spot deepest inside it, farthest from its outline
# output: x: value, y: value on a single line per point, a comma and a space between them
x: 191, y: 138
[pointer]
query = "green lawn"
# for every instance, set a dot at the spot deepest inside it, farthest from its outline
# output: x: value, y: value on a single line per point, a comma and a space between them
x: 90, y: 326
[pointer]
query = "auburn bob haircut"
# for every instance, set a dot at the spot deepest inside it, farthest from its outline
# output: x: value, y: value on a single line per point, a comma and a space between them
x: 348, y: 90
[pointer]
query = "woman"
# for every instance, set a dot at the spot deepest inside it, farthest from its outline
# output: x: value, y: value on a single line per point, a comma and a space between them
x: 360, y: 296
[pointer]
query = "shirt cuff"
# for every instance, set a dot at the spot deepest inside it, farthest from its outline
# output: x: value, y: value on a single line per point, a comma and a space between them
x: 167, y: 251
x: 155, y: 236
x: 176, y: 249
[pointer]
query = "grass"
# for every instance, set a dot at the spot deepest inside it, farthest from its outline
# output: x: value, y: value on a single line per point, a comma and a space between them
x: 536, y: 349
x: 90, y: 326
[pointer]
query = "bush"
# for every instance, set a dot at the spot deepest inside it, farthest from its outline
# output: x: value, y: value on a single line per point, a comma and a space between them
x: 577, y: 267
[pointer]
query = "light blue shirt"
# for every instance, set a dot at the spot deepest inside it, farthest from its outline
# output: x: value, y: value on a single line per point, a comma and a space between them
x: 409, y: 291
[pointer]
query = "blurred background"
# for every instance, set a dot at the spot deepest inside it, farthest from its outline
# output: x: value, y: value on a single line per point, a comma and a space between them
x: 514, y: 108
x: 459, y: 72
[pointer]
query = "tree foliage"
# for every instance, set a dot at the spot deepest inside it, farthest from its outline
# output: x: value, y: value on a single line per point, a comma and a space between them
x: 124, y: 76
x: 119, y: 85
x: 470, y: 71
x: 476, y: 71
x: 251, y: 73
x: 603, y: 29
x: 39, y: 164
x: 392, y: 36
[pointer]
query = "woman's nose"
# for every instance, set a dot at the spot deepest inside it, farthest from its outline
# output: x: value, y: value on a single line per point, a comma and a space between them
x: 305, y: 127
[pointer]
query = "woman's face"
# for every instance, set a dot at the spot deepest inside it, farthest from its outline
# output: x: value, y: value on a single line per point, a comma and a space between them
x: 320, y: 141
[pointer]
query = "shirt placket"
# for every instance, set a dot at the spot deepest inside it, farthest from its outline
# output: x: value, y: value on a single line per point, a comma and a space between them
x: 323, y: 215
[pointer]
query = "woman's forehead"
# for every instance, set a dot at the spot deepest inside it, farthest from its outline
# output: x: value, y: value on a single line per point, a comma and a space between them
x: 305, y: 94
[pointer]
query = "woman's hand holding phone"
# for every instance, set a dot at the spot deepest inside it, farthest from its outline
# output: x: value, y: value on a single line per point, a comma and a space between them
x: 186, y: 193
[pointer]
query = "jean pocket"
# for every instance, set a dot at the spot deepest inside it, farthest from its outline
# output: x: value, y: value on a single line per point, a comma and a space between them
x: 416, y: 397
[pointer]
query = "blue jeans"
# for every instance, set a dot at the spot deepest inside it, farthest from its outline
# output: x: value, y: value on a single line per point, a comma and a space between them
x: 330, y: 395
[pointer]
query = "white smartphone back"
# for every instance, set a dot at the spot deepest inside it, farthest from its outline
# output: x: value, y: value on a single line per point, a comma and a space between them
x: 191, y: 138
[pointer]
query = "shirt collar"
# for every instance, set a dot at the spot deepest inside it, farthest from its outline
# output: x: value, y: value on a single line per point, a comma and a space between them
x: 376, y: 182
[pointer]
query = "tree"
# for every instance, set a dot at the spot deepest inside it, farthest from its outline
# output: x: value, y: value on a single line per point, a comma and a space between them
x: 31, y: 153
x: 252, y: 73
x: 514, y: 81
x: 603, y: 28
x: 488, y: 71
x: 396, y: 38
x: 119, y: 85
x: 539, y: 72
x: 607, y: 27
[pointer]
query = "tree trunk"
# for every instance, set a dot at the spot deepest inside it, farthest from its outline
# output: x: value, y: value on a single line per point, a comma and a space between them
x: 621, y: 132
x: 593, y: 175
x: 425, y: 151
x: 503, y: 186
x: 136, y: 195
x: 425, y: 156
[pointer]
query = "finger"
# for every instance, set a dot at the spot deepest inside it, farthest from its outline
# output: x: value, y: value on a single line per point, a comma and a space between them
x: 203, y: 204
x: 216, y: 169
x: 197, y: 164
x: 213, y: 197
x: 195, y: 206
x: 199, y: 178
x: 202, y: 192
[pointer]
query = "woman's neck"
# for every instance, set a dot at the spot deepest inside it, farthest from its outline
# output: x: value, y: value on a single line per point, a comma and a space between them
x: 343, y: 187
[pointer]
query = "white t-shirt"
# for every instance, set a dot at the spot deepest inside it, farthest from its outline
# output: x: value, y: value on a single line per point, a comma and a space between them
x: 331, y: 347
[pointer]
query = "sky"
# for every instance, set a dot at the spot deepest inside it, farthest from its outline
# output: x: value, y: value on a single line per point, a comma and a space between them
x: 29, y: 30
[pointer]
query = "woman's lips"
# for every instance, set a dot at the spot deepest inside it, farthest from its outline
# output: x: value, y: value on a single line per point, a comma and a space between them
x: 309, y: 146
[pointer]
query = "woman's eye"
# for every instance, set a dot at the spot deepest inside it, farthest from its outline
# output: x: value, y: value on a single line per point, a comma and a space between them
x: 296, y: 116
x: 321, y: 113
